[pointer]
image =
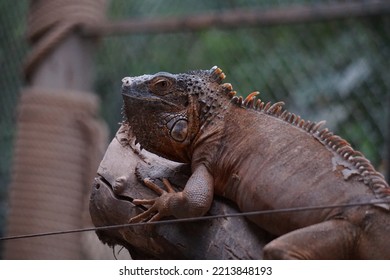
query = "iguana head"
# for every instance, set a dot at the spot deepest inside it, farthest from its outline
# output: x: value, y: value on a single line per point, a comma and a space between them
x: 166, y: 110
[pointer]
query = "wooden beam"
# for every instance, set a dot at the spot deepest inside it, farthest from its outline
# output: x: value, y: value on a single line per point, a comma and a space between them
x: 239, y: 18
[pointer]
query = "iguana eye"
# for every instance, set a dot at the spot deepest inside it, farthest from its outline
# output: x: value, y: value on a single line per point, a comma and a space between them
x: 161, y: 85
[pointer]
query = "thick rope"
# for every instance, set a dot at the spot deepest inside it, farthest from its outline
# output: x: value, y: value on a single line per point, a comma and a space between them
x: 57, y: 151
x: 51, y: 21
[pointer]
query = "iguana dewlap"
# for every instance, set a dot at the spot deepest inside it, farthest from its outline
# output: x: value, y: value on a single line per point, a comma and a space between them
x: 261, y: 157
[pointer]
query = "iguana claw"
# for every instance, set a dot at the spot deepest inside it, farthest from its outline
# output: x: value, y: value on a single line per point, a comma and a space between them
x: 155, y: 202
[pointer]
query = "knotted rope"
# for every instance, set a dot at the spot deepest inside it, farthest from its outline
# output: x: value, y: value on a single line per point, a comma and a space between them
x: 51, y: 21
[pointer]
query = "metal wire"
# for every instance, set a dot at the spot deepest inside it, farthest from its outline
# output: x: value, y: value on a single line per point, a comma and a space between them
x: 196, y: 219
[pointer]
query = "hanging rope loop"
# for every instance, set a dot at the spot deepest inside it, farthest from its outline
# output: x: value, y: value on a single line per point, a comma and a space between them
x: 51, y: 21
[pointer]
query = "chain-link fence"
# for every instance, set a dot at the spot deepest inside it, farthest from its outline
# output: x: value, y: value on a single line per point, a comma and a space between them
x: 334, y: 68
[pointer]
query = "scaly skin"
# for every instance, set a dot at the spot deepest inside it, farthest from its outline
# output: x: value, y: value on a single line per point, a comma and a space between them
x: 261, y: 158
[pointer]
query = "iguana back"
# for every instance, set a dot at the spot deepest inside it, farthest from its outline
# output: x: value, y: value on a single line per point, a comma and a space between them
x: 268, y: 163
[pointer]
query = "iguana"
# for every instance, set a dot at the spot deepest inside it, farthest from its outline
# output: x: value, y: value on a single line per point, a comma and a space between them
x: 261, y: 157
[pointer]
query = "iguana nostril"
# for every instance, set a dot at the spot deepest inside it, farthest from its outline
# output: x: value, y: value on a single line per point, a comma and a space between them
x: 126, y: 81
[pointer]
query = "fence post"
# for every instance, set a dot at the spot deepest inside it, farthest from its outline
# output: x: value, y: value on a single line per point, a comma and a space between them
x: 59, y: 137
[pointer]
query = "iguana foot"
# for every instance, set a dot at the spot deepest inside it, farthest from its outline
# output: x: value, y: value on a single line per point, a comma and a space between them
x: 159, y: 206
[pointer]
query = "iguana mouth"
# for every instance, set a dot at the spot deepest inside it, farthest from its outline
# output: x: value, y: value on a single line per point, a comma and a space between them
x: 149, y: 99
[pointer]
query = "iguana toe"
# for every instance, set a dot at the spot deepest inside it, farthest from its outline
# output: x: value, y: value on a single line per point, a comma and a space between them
x: 144, y: 216
x: 159, y: 204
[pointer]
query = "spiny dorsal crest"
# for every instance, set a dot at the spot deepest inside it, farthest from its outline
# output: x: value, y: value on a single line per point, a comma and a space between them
x: 217, y: 75
x: 341, y: 147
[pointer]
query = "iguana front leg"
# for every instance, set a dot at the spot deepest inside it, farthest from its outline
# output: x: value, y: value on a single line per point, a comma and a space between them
x: 194, y: 201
